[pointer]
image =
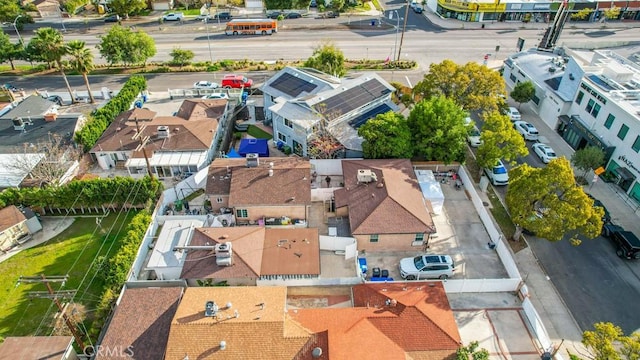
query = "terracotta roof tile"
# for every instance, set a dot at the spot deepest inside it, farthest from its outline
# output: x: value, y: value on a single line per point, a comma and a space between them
x: 255, y: 253
x: 10, y: 216
x: 420, y: 325
x: 142, y: 321
x: 202, y: 109
x: 392, y: 205
x: 253, y: 186
x: 35, y: 347
x: 258, y: 332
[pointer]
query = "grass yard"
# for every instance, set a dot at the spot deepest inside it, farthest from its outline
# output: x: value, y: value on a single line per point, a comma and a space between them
x: 21, y: 316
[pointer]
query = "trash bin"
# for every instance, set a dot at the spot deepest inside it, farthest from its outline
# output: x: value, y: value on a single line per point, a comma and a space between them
x: 373, y: 23
x: 483, y: 26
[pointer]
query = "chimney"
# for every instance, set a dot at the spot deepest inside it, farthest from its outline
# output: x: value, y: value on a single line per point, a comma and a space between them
x: 163, y: 132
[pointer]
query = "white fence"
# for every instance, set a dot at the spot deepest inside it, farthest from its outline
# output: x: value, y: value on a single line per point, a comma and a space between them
x: 481, y: 285
x: 335, y: 243
x: 311, y: 282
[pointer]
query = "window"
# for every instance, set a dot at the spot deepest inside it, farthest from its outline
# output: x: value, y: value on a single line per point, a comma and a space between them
x: 242, y: 213
x: 373, y: 238
x: 623, y: 131
x: 419, y: 237
x: 590, y: 105
x: 219, y: 200
x: 579, y: 97
x: 636, y: 144
x: 596, y: 110
x: 282, y: 137
x: 535, y: 99
x: 609, y: 121
x: 512, y: 77
x: 288, y: 123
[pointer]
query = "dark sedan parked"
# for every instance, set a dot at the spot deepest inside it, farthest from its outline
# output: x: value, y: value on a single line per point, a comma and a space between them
x: 112, y: 18
x: 293, y: 15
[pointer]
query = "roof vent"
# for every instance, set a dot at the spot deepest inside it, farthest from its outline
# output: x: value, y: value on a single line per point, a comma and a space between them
x: 223, y: 345
x: 270, y: 172
x: 163, y: 132
x: 366, y: 176
x: 224, y: 254
x: 18, y: 124
x: 252, y: 160
x: 316, y: 353
x: 210, y: 309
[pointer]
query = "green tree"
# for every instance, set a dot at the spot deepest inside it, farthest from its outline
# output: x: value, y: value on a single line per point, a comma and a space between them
x: 327, y: 58
x: 8, y: 51
x: 48, y: 44
x: 548, y: 202
x: 81, y: 61
x: 581, y: 15
x: 601, y: 341
x: 472, y: 86
x: 438, y: 129
x: 125, y: 8
x: 181, y: 56
x: 9, y: 10
x: 472, y: 350
x: 523, y: 92
x: 612, y: 13
x: 338, y: 4
x: 386, y: 136
x: 122, y: 45
x: 587, y: 159
x: 499, y: 140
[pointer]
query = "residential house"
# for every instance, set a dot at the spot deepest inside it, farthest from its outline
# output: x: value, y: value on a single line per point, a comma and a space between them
x: 16, y: 226
x: 400, y: 320
x: 252, y: 253
x: 271, y: 190
x: 140, y: 324
x: 38, y: 347
x: 384, y: 204
x: 304, y: 104
x: 237, y: 323
x: 161, y: 4
x: 600, y: 93
x: 175, y: 145
x: 25, y: 129
x: 48, y: 8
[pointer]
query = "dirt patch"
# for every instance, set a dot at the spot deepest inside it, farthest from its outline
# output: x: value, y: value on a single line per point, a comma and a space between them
x: 318, y: 291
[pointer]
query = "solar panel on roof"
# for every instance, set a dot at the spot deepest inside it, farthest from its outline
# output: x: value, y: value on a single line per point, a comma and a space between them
x: 360, y: 120
x: 292, y: 85
x: 353, y: 98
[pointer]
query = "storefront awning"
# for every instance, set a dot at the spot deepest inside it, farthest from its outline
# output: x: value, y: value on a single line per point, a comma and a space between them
x: 624, y: 173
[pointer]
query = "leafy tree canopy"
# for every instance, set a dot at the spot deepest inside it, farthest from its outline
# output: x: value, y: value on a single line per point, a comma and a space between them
x: 9, y: 10
x: 500, y: 140
x: 548, y: 202
x: 125, y: 8
x: 523, y: 92
x: 438, y: 129
x: 581, y: 15
x: 587, y: 158
x: 122, y: 45
x: 386, y: 136
x: 472, y: 86
x: 607, y: 342
x: 181, y: 56
x: 612, y: 13
x: 327, y: 58
x: 9, y: 51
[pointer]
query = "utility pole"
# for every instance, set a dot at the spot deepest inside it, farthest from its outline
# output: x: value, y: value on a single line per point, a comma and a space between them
x: 54, y: 295
x: 143, y: 143
x: 404, y: 27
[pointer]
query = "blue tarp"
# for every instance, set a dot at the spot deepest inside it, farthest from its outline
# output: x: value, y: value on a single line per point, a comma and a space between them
x: 233, y: 154
x: 254, y: 146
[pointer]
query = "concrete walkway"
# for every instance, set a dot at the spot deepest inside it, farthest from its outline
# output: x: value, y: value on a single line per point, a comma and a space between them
x: 51, y: 227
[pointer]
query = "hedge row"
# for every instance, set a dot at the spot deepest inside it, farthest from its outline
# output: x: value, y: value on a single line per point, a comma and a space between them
x: 103, y: 117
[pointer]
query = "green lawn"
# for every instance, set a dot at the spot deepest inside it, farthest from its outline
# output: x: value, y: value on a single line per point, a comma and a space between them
x: 20, y: 316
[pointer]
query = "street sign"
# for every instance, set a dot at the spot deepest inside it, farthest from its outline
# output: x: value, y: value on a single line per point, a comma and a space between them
x: 599, y: 170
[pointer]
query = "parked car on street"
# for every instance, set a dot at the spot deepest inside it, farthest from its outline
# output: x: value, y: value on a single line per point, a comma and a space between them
x: 206, y: 85
x: 112, y: 18
x: 498, y: 175
x: 203, y: 17
x: 178, y: 16
x: 223, y: 16
x: 528, y: 131
x: 236, y: 82
x: 627, y: 243
x: 293, y: 15
x: 544, y: 152
x: 606, y: 218
x: 514, y: 114
x: 216, y: 96
x: 417, y: 9
x: 328, y: 15
x: 427, y: 267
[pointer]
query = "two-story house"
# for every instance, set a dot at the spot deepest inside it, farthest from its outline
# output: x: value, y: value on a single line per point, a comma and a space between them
x: 174, y: 145
x: 261, y: 191
x: 303, y: 103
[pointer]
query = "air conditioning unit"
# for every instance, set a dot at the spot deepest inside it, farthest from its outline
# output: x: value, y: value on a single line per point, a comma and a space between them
x: 253, y: 160
x: 224, y: 254
x: 366, y: 176
x: 18, y: 124
x: 163, y: 132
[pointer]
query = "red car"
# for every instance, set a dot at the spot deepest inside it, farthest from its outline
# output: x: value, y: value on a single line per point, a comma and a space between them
x: 236, y: 81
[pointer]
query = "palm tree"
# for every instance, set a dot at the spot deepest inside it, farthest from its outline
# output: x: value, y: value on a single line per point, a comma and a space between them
x: 81, y: 61
x: 48, y: 44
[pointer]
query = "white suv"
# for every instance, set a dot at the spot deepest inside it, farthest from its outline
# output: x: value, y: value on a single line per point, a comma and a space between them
x: 427, y: 267
x: 528, y: 131
x: 498, y: 175
x: 514, y: 114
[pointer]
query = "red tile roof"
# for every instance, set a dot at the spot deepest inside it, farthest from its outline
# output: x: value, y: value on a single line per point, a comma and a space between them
x: 290, y: 184
x: 420, y: 324
x: 141, y: 321
x: 256, y: 250
x: 391, y: 205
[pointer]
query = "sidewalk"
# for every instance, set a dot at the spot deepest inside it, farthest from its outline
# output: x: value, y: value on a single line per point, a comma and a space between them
x: 51, y: 226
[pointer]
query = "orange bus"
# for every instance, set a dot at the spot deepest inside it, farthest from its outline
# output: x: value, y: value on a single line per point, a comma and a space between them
x: 251, y: 27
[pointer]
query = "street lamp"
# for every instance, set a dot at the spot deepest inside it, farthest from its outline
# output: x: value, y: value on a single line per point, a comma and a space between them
x: 206, y: 21
x: 16, y: 28
x: 395, y: 45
